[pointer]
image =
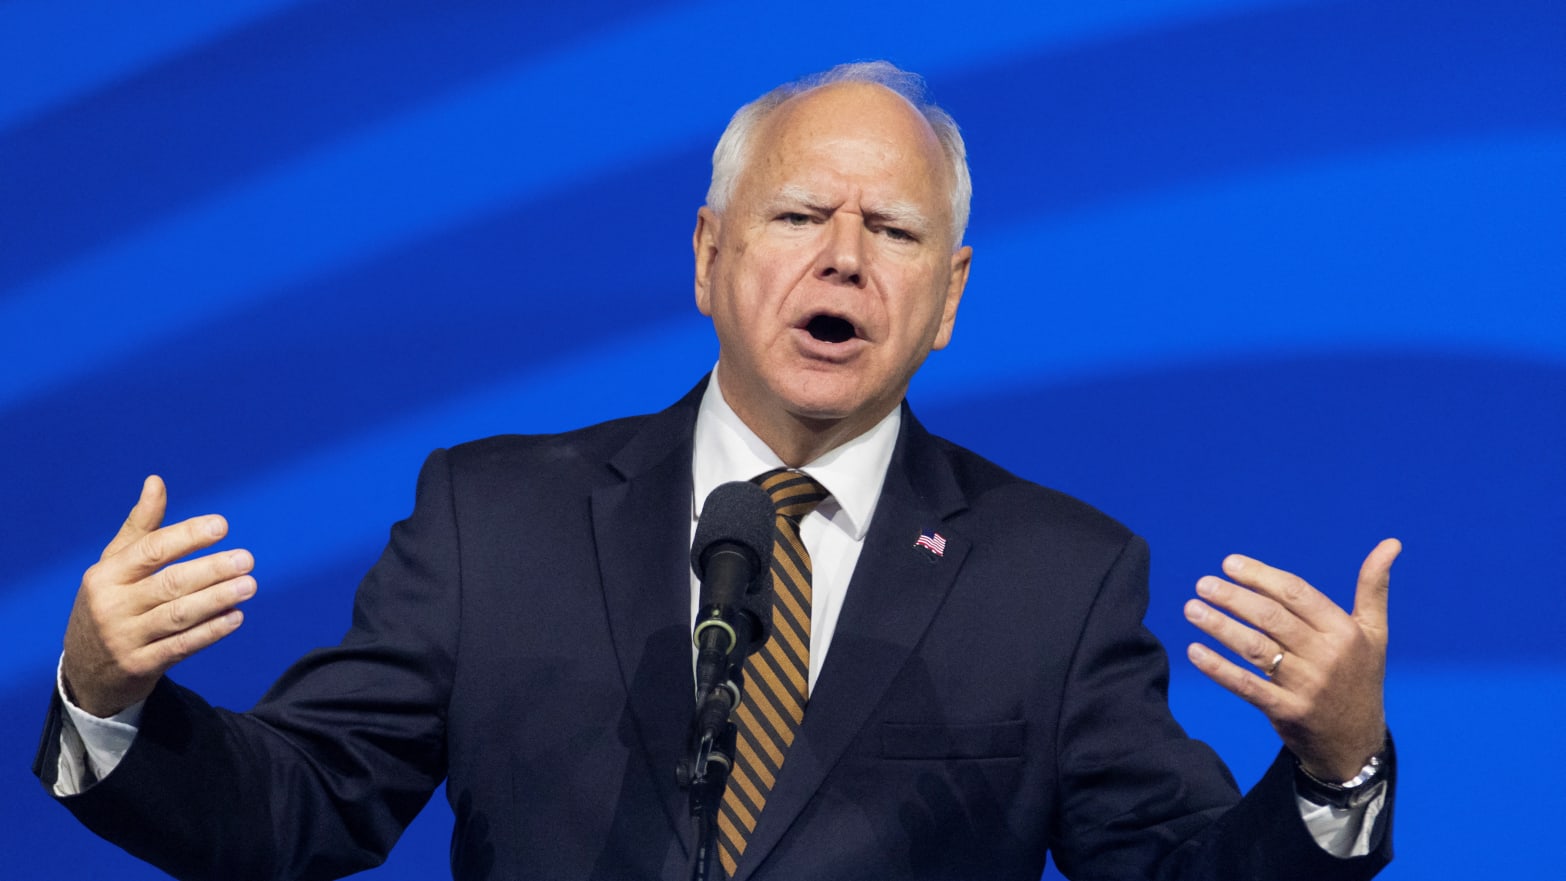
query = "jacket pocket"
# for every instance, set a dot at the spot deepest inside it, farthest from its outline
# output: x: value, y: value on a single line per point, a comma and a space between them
x: 920, y: 740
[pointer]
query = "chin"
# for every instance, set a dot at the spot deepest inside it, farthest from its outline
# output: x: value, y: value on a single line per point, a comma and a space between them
x: 826, y: 410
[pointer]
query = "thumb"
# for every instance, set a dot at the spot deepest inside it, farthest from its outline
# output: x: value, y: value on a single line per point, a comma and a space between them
x: 1375, y: 576
x: 145, y: 517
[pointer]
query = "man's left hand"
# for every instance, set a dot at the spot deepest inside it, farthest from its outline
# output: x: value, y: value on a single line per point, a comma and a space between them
x: 1318, y: 670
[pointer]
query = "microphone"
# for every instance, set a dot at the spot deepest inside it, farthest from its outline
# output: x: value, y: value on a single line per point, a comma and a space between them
x: 732, y: 557
x: 731, y: 553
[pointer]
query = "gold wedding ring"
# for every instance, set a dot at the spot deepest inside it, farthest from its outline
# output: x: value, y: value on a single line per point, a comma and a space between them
x: 1277, y: 660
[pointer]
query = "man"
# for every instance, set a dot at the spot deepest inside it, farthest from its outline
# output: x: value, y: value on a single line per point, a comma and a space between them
x: 990, y: 693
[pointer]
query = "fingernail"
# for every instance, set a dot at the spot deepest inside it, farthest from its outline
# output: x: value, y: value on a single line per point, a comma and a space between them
x: 1206, y: 587
x: 1234, y: 563
x: 215, y: 525
x: 243, y: 589
x: 240, y: 560
x: 1195, y: 611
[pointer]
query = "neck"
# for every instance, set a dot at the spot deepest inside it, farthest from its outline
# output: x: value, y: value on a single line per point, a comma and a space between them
x: 799, y: 440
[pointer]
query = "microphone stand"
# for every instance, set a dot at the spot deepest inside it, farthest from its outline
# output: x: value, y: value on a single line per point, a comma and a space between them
x: 705, y: 771
x: 706, y: 793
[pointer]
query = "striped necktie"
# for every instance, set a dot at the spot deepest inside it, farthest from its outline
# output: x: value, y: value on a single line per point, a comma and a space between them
x: 777, y: 677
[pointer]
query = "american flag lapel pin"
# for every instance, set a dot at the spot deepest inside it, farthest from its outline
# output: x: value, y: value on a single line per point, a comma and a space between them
x: 931, y: 541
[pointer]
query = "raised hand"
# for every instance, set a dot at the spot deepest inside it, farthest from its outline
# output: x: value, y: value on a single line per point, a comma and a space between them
x: 139, y: 612
x: 1318, y: 669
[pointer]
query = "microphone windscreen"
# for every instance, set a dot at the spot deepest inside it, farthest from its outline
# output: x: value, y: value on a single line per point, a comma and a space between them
x: 737, y: 512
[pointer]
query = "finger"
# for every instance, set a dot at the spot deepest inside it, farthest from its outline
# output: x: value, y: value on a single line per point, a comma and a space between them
x: 159, y: 548
x: 196, y: 608
x: 1247, y: 686
x: 1257, y: 648
x: 1307, y: 603
x: 144, y: 517
x: 171, y: 584
x: 165, y: 653
x: 1260, y: 611
x: 1375, y: 577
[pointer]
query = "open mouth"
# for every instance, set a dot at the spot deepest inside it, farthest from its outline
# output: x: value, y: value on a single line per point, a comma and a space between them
x: 830, y: 329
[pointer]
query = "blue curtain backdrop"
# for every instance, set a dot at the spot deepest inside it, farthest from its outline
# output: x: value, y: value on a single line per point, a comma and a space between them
x: 1292, y: 273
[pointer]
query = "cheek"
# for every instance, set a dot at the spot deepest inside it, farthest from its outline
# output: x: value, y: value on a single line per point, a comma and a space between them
x: 921, y: 300
x: 762, y: 286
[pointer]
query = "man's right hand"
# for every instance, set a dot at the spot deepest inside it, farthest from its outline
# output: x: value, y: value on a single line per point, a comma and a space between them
x: 139, y: 612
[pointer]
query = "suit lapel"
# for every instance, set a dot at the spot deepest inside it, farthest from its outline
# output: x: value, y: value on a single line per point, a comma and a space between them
x: 895, y: 592
x: 642, y: 529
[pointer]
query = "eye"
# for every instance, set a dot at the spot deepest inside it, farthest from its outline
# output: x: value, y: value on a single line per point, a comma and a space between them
x: 794, y: 218
x: 898, y: 235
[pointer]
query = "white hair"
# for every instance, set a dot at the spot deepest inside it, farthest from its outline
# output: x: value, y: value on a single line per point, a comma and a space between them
x: 733, y: 149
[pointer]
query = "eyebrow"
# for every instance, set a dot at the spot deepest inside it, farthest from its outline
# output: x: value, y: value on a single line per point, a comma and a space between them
x: 901, y: 214
x: 898, y: 213
x: 794, y: 194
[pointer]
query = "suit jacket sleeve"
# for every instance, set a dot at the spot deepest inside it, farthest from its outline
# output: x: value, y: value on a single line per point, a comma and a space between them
x: 320, y: 779
x: 1139, y: 799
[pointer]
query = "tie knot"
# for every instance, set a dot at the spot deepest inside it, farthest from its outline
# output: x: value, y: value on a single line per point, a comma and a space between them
x: 794, y: 493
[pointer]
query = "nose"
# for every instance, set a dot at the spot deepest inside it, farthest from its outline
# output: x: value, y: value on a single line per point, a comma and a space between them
x: 842, y: 256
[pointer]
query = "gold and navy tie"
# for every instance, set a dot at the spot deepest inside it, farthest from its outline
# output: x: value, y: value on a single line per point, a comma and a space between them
x: 777, y: 677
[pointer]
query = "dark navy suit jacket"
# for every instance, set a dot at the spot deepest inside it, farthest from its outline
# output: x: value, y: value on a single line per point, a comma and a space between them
x: 525, y: 637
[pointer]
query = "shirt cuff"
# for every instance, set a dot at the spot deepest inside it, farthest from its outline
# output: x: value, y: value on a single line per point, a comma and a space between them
x: 1343, y: 832
x: 90, y: 747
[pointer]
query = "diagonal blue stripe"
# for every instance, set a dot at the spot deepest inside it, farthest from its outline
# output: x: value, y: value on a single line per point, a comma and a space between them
x: 54, y: 53
x: 203, y: 121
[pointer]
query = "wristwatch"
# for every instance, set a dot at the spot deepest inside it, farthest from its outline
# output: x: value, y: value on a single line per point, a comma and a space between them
x: 1351, y: 793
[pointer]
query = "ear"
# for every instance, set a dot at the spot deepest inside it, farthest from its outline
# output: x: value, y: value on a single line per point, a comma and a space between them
x: 962, y: 258
x: 704, y: 241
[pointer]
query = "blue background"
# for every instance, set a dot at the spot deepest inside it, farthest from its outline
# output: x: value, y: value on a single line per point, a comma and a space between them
x: 1279, y: 278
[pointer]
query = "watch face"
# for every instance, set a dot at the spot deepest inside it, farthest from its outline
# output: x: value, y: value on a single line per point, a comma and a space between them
x: 1371, y: 769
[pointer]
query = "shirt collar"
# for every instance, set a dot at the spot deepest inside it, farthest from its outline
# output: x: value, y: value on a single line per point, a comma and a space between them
x: 853, y: 472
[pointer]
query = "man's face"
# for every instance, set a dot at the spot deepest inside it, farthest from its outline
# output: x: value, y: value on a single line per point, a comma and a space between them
x: 831, y: 274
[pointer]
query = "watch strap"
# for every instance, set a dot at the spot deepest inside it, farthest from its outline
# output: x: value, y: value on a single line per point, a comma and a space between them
x: 1351, y: 793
